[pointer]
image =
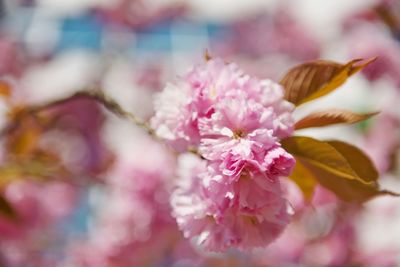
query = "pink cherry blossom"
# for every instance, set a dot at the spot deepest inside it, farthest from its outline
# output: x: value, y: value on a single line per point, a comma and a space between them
x: 239, y: 125
x: 244, y: 215
x: 248, y: 178
x: 210, y: 89
x: 234, y: 198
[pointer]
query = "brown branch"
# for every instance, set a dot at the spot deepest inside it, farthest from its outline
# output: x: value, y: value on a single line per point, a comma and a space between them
x: 99, y: 96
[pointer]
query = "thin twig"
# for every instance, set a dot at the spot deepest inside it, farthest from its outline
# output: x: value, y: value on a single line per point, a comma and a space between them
x: 100, y: 97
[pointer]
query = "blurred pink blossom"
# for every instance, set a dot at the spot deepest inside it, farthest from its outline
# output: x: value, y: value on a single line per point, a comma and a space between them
x: 382, y: 141
x: 368, y: 41
x: 139, y: 13
x: 277, y: 33
x: 10, y: 58
x: 134, y: 217
x: 36, y: 205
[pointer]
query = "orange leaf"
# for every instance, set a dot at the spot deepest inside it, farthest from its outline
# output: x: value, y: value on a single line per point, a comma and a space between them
x: 314, y: 79
x: 320, y: 154
x: 331, y: 116
x: 5, y: 88
x: 304, y: 179
x: 338, y: 166
x: 345, y: 189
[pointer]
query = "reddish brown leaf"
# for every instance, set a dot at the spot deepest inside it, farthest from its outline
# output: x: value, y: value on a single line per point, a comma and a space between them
x: 331, y: 116
x: 314, y: 79
x: 6, y: 209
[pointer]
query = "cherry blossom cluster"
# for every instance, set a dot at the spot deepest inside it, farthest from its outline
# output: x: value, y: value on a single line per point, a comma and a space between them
x: 231, y: 196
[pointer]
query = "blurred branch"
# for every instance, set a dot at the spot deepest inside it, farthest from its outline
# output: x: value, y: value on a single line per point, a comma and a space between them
x: 97, y: 95
x: 106, y: 101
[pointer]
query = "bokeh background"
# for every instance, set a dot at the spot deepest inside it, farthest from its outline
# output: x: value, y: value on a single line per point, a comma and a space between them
x: 92, y: 189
